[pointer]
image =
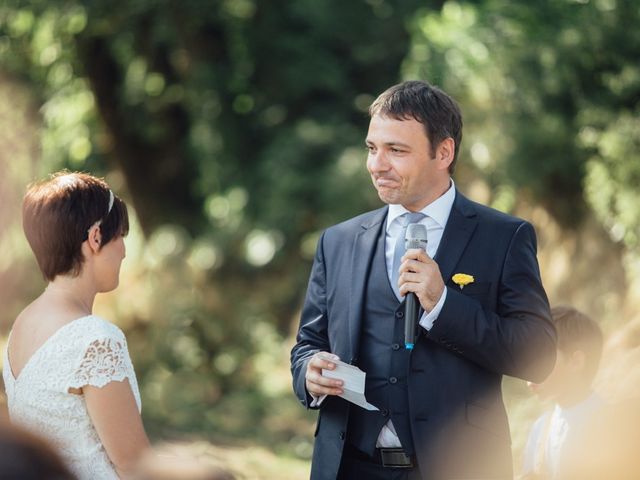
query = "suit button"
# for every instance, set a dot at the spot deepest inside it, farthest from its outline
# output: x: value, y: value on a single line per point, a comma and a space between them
x: 395, y: 346
x: 399, y: 314
x: 384, y: 412
x: 341, y: 435
x: 393, y: 380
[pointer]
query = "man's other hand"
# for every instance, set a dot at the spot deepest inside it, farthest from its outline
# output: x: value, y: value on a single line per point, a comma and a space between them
x: 316, y: 384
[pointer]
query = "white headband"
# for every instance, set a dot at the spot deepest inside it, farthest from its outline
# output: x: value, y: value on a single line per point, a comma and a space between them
x: 99, y: 222
x: 111, y: 199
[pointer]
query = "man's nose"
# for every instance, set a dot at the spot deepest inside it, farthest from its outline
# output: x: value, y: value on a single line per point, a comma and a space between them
x: 378, y: 161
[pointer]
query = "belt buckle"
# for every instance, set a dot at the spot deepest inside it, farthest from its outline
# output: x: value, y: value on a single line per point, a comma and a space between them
x: 395, y: 458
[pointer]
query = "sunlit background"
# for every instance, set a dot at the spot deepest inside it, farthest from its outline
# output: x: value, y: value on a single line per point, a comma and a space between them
x: 234, y: 130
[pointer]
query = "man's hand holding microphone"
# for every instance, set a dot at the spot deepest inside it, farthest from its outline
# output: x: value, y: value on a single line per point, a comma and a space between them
x: 420, y: 280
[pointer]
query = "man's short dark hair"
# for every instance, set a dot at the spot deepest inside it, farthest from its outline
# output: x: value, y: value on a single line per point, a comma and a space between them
x: 577, y: 331
x: 427, y: 104
x: 58, y: 212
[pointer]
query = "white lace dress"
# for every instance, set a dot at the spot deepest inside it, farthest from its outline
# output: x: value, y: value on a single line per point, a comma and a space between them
x: 86, y: 351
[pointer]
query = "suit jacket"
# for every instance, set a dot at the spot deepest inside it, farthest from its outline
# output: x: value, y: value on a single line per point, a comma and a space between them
x: 499, y: 324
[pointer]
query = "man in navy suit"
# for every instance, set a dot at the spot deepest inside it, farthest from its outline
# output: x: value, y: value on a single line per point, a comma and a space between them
x: 484, y: 312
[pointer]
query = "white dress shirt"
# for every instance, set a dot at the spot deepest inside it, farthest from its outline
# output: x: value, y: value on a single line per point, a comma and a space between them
x: 553, y: 437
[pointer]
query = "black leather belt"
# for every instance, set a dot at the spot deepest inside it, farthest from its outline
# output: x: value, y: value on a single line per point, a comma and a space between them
x: 386, y: 457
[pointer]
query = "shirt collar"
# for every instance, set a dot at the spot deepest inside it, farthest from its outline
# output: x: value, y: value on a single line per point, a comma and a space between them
x: 438, y: 210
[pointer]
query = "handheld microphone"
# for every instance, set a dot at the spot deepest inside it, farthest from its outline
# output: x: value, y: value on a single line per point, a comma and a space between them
x: 415, y: 237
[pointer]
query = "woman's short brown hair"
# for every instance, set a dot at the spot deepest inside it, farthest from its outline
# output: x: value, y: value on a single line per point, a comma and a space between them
x: 57, y: 214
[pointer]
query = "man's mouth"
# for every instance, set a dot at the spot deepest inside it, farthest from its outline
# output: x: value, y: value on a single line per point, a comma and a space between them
x: 386, y: 182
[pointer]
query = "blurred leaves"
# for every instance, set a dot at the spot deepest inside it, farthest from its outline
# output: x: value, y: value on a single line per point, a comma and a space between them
x: 613, y: 175
x: 556, y: 85
x: 200, y: 99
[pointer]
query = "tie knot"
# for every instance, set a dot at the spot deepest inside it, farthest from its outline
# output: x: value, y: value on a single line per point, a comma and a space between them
x: 413, y: 217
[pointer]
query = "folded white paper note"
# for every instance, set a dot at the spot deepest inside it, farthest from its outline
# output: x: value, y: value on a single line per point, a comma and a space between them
x: 353, y: 386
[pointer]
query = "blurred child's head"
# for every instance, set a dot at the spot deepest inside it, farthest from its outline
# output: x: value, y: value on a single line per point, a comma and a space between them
x: 579, y: 351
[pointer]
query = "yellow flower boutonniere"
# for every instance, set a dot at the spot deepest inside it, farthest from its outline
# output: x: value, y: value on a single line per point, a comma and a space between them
x: 462, y: 279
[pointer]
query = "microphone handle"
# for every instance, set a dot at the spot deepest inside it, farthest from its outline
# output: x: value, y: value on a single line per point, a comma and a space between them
x: 411, y: 311
x: 415, y: 237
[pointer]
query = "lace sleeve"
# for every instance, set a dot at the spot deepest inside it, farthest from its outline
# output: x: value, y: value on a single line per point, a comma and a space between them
x: 104, y: 361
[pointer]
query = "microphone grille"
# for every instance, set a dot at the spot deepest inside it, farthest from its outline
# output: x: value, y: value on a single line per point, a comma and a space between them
x: 416, y: 236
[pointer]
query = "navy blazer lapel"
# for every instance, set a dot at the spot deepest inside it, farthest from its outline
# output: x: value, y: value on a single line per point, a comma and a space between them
x: 457, y: 233
x: 361, y: 257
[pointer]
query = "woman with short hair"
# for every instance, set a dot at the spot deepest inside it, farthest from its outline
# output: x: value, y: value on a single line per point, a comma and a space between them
x: 67, y: 372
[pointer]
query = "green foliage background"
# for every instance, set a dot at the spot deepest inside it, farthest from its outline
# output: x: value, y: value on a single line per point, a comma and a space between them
x: 235, y: 129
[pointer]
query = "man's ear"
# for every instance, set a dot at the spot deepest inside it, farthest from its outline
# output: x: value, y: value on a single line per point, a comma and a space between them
x: 445, y: 152
x: 94, y: 238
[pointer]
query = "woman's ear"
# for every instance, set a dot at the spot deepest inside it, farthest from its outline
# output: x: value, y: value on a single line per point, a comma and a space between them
x: 94, y: 238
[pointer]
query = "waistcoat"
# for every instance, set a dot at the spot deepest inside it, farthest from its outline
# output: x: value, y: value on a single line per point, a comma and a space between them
x: 385, y: 360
